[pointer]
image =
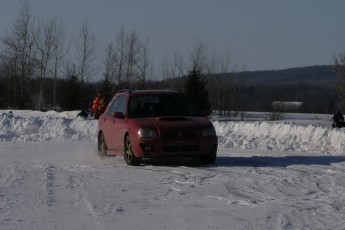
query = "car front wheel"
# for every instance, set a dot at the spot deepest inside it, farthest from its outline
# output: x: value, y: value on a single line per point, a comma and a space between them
x: 102, y: 146
x: 208, y: 159
x: 129, y: 156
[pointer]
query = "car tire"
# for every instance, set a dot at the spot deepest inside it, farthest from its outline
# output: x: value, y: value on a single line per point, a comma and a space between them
x: 102, y: 146
x: 208, y: 159
x: 129, y: 156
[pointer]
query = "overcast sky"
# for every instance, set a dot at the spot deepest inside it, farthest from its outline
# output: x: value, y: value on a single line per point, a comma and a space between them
x: 259, y: 34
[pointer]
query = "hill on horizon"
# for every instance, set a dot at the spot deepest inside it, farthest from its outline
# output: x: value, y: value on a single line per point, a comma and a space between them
x: 309, y: 74
x: 312, y: 85
x: 256, y: 90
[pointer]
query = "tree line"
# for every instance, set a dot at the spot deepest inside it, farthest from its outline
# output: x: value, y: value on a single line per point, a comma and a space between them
x: 38, y: 72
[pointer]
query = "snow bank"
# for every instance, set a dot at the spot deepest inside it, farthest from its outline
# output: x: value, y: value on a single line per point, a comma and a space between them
x: 280, y: 137
x: 262, y: 135
x: 45, y: 127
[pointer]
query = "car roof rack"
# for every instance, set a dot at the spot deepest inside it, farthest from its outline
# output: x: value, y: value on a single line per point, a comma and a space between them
x: 124, y: 90
x: 172, y: 89
x: 131, y: 90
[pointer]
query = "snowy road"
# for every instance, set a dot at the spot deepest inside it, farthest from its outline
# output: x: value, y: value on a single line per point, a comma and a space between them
x: 64, y: 185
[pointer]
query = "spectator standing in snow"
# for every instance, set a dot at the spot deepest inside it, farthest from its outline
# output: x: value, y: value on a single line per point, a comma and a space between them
x: 99, y: 105
x: 338, y: 120
x: 339, y: 116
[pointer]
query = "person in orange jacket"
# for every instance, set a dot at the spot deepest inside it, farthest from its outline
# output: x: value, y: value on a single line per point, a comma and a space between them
x: 99, y: 105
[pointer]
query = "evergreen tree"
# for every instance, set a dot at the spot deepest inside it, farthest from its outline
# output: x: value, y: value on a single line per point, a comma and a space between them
x: 339, y: 86
x: 71, y: 97
x: 195, y: 89
x: 106, y: 85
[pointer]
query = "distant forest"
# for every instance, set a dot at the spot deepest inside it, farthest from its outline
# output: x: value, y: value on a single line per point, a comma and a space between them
x: 314, y: 86
x: 257, y: 90
x: 230, y: 93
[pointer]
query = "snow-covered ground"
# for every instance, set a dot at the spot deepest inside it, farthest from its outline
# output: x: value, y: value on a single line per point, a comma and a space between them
x: 287, y: 174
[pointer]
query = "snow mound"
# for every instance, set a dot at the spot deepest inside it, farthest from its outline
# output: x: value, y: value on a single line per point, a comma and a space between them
x: 44, y: 128
x: 261, y: 135
x: 280, y: 137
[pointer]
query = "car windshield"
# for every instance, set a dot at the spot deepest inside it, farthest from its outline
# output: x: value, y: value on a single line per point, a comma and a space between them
x: 161, y: 105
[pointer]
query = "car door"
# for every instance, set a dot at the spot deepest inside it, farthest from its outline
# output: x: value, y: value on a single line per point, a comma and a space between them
x: 108, y: 120
x: 119, y: 126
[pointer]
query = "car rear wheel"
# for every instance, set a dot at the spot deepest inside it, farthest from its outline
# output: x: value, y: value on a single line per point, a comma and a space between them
x: 129, y: 156
x: 102, y: 146
x: 208, y: 159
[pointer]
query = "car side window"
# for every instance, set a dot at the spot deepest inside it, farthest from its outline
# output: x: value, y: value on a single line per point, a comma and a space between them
x: 122, y: 105
x: 119, y: 105
x: 114, y: 106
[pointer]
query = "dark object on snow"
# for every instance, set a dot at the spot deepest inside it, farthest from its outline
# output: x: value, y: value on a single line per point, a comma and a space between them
x: 338, y: 120
x: 83, y: 114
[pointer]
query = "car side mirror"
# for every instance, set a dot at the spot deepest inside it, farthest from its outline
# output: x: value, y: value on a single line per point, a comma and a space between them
x: 118, y: 115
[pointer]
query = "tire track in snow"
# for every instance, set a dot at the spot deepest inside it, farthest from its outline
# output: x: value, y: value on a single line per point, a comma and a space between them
x: 50, y: 185
x: 93, y: 212
x: 66, y: 189
x: 90, y: 195
x: 8, y: 176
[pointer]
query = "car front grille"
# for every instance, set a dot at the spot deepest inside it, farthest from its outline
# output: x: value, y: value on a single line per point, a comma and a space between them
x: 180, y: 134
x: 180, y: 141
x: 181, y: 147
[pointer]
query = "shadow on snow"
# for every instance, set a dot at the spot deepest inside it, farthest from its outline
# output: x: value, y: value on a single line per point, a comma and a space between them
x: 270, y: 161
x: 254, y: 161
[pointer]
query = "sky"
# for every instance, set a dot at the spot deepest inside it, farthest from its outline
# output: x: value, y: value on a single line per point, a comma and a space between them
x: 258, y: 35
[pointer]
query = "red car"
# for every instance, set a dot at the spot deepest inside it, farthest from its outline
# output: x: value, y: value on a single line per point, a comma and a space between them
x: 155, y: 123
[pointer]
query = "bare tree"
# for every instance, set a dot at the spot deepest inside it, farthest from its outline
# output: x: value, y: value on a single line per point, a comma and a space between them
x: 45, y: 47
x: 109, y: 72
x: 19, y: 54
x: 58, y: 55
x: 131, y: 59
x: 171, y: 69
x: 120, y: 56
x: 109, y: 68
x: 133, y: 51
x: 86, y: 51
x: 145, y: 66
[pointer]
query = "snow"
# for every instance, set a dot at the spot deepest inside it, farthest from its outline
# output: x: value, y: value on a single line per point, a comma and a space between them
x: 287, y: 174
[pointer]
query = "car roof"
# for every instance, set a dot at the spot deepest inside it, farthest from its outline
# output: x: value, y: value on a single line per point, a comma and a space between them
x: 148, y: 92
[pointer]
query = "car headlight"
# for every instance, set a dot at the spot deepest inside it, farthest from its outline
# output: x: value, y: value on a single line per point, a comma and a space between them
x: 209, y: 131
x: 147, y: 133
